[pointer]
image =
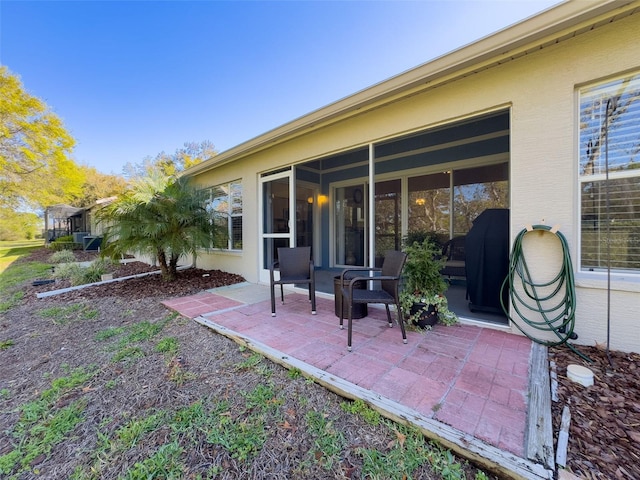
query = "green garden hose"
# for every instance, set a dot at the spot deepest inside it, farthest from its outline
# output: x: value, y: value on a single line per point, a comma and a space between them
x: 554, y: 310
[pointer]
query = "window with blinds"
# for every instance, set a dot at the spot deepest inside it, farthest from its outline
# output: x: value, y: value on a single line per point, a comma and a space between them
x: 609, y: 175
x: 225, y: 206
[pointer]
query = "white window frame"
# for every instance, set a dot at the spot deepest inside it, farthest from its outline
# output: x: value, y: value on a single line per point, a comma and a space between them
x: 230, y: 188
x: 597, y: 173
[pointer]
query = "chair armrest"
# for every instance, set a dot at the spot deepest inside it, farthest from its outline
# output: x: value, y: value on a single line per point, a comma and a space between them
x: 358, y: 269
x: 385, y: 277
x: 353, y: 280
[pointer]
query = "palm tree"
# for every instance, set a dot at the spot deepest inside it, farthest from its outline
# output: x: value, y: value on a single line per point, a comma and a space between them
x: 162, y: 217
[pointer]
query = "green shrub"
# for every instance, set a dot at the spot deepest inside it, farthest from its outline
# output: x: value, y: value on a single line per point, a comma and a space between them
x: 93, y: 273
x: 79, y: 275
x: 62, y: 243
x: 64, y: 239
x: 74, y: 272
x: 62, y: 256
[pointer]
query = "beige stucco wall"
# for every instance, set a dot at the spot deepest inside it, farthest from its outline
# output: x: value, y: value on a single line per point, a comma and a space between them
x: 540, y: 89
x: 544, y: 165
x: 243, y: 263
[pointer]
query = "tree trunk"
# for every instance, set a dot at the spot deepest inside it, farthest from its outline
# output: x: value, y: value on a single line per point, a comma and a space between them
x: 173, y: 267
x: 164, y: 268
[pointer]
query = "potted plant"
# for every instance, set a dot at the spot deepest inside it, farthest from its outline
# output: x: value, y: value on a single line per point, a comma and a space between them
x: 422, y: 299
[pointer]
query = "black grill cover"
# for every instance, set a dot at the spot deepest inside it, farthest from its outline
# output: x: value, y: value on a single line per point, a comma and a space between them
x: 487, y: 260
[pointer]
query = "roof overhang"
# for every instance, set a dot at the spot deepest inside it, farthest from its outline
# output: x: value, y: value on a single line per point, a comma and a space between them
x: 552, y: 26
x: 62, y: 211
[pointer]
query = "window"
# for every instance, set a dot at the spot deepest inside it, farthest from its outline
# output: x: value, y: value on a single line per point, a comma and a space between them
x: 432, y: 208
x: 476, y: 190
x: 430, y: 203
x: 609, y: 175
x: 225, y: 205
x: 388, y: 218
x: 350, y: 214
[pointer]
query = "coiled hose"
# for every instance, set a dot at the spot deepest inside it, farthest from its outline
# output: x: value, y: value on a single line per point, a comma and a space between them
x: 555, y: 309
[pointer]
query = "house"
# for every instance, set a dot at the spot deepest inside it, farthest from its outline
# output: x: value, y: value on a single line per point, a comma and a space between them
x: 63, y: 220
x: 538, y: 123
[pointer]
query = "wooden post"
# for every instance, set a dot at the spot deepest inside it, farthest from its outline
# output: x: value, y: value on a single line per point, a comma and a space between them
x: 563, y: 437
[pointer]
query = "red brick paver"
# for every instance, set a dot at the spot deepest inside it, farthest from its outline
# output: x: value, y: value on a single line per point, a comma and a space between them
x: 471, y: 378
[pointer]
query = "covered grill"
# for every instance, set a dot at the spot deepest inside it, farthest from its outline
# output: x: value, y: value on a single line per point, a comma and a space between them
x: 487, y: 260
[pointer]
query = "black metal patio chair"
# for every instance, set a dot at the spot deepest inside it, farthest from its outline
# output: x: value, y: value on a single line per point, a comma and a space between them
x: 296, y: 267
x: 454, y: 252
x: 387, y: 293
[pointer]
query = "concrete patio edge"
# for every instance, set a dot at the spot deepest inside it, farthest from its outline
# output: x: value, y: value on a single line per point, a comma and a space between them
x: 487, y: 456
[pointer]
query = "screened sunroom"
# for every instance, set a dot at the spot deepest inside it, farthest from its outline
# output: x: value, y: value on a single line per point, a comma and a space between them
x: 433, y: 182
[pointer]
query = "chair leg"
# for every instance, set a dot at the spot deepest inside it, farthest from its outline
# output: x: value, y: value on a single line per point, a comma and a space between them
x: 401, y: 322
x: 312, y: 297
x: 386, y: 305
x: 282, y: 293
x: 273, y: 301
x: 349, y: 326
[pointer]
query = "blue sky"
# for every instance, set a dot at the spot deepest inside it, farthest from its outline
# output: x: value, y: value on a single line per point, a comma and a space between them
x: 131, y: 79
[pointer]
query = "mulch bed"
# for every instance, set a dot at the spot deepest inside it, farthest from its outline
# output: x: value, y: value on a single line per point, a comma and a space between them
x: 604, y: 434
x: 190, y: 281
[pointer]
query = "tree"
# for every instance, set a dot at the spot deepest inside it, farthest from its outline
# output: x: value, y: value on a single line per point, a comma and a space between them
x: 35, y: 167
x: 18, y: 225
x: 98, y: 185
x: 190, y: 154
x: 162, y: 217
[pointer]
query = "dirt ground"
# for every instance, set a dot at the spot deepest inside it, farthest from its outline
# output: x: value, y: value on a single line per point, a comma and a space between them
x: 604, y: 438
x: 208, y: 369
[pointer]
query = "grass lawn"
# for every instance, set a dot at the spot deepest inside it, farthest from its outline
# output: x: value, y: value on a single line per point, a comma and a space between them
x: 12, y: 275
x: 11, y: 251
